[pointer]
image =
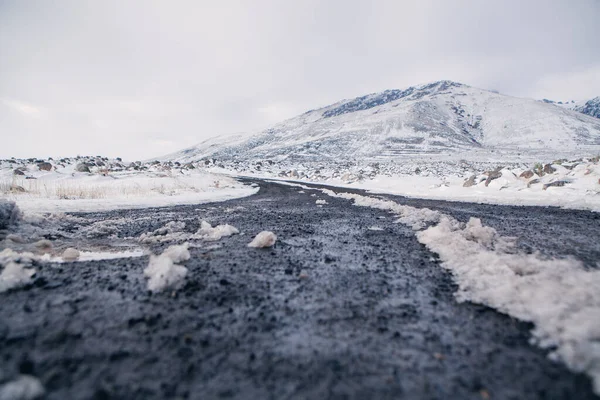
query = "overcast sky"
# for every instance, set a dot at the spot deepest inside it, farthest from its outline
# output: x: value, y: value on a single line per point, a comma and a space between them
x: 144, y: 78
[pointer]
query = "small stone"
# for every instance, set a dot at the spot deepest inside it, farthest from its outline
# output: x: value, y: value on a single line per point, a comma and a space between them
x: 303, y: 275
x: 15, y: 238
x: 44, y: 245
x: 526, y: 174
x: 470, y: 182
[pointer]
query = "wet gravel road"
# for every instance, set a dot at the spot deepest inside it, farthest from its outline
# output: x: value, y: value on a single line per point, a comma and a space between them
x: 334, y: 310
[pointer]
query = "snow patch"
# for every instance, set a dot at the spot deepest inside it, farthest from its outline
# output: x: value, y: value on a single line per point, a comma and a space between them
x: 25, y: 387
x: 164, y: 272
x: 263, y: 239
x: 321, y: 201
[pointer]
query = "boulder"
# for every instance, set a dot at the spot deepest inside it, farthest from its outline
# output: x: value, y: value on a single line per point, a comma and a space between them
x: 470, y: 182
x: 526, y: 174
x: 491, y: 175
x: 18, y: 172
x: 548, y: 169
x: 82, y: 167
x: 45, y: 166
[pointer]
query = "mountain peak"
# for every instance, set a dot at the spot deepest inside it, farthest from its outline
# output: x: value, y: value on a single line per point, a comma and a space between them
x: 376, y: 99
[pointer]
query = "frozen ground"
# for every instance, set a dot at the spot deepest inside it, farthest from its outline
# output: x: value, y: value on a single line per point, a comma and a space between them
x: 350, y: 302
x: 94, y: 184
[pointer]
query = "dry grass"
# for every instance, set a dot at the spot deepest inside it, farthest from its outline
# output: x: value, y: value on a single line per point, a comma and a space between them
x: 76, y: 189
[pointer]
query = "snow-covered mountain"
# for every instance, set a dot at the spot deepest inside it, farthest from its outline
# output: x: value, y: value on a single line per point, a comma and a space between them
x: 590, y: 107
x: 440, y: 118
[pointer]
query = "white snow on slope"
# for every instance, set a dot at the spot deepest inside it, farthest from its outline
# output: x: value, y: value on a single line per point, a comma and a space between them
x: 559, y: 296
x: 164, y: 272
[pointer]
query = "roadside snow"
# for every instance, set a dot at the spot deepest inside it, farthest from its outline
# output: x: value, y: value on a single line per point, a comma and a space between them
x: 64, y: 189
x: 559, y: 296
x: 263, y: 239
x: 164, y: 272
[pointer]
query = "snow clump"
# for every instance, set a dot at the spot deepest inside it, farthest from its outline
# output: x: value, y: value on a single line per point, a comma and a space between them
x: 207, y: 232
x: 25, y: 387
x: 16, y: 271
x: 164, y: 272
x: 321, y: 201
x: 71, y: 254
x: 263, y: 239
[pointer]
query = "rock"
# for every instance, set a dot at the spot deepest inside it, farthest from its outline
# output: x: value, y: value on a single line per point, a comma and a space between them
x: 554, y: 184
x: 15, y: 238
x: 18, y: 172
x: 526, y: 174
x: 548, y: 169
x: 43, y: 245
x: 533, y: 182
x: 82, y: 167
x: 45, y: 166
x: 470, y: 182
x: 491, y: 175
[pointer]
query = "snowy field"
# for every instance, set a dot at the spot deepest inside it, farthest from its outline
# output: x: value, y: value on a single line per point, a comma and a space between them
x: 96, y: 184
x: 576, y: 188
x: 566, y: 184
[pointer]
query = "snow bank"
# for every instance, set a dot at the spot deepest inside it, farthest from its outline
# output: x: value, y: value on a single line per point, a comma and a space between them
x: 559, y: 296
x: 16, y: 270
x: 207, y: 232
x: 25, y: 387
x: 65, y: 189
x: 263, y: 239
x: 164, y: 272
